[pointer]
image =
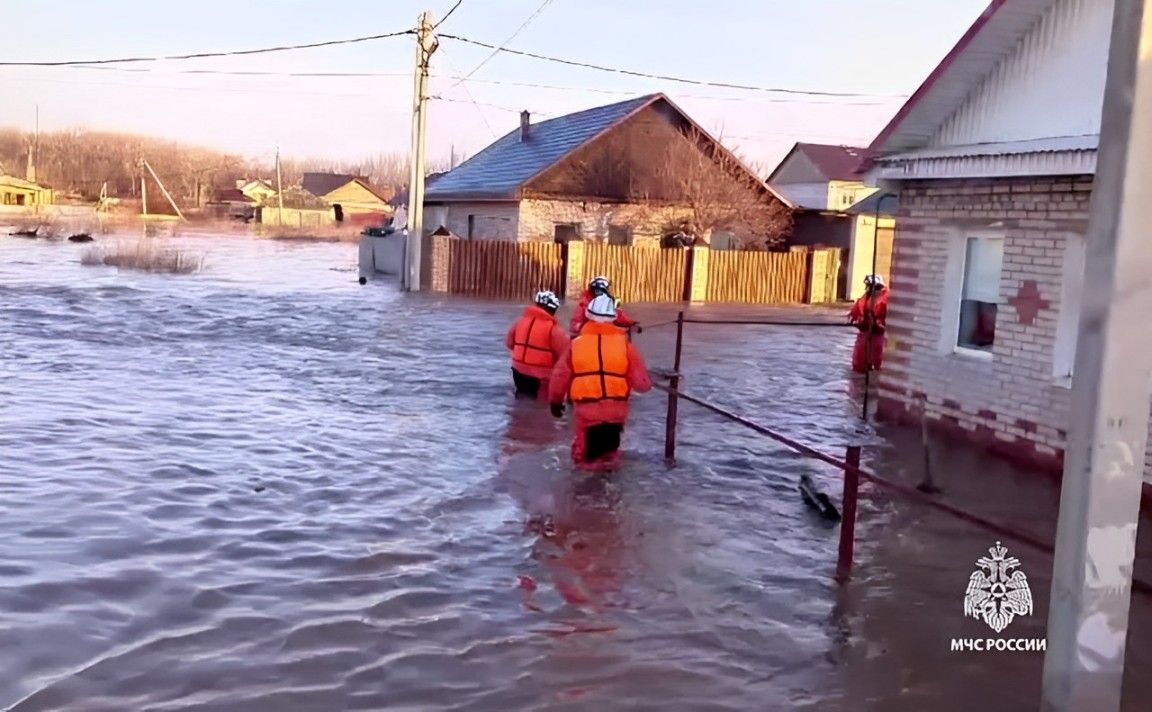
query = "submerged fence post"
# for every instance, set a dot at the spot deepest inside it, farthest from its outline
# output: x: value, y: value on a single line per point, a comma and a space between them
x: 674, y: 387
x: 848, y: 515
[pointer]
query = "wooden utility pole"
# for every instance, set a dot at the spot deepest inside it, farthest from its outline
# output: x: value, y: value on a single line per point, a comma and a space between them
x: 165, y: 191
x: 279, y: 191
x: 144, y: 194
x: 1104, y: 460
x: 425, y: 45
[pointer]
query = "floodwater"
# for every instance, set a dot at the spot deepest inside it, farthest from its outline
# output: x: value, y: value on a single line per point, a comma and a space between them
x: 265, y: 487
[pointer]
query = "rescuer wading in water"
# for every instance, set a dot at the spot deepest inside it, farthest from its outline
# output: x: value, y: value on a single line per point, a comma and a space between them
x: 870, y: 315
x: 537, y: 342
x: 597, y: 287
x: 599, y: 373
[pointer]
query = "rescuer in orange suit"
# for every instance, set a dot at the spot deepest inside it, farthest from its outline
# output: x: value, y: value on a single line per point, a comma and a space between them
x: 599, y: 373
x: 870, y: 315
x: 596, y: 287
x: 537, y: 342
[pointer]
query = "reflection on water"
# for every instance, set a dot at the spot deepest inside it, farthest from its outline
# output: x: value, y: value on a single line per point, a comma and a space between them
x: 267, y: 487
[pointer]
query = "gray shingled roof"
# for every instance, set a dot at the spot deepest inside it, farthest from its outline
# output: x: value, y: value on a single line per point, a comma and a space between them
x: 502, y: 168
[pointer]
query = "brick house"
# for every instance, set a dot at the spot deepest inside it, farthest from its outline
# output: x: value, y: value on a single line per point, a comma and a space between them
x: 993, y: 159
x: 600, y: 174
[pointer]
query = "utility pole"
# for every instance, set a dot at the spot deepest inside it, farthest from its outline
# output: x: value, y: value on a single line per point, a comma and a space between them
x: 279, y: 191
x: 425, y: 45
x: 1104, y: 460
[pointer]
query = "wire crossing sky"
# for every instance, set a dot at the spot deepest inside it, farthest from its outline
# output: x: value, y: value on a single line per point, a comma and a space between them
x: 334, y: 80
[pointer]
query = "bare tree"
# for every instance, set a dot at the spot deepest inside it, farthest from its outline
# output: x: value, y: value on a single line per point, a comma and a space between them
x: 686, y: 169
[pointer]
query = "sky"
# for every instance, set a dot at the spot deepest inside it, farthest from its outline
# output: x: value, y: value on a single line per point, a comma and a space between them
x: 880, y: 49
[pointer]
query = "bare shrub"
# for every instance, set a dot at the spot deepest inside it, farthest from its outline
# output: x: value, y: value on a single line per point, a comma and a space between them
x: 146, y: 256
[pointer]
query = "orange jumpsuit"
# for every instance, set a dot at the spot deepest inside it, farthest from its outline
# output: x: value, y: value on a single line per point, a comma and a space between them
x: 580, y: 317
x: 599, y: 372
x: 870, y: 315
x: 537, y: 342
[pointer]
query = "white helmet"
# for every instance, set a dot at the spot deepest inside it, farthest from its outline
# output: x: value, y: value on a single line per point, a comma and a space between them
x: 599, y: 284
x: 548, y: 300
x: 873, y: 280
x: 602, y: 309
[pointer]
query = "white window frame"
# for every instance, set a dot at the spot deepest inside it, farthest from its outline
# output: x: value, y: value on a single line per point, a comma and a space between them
x: 1068, y: 320
x: 953, y: 292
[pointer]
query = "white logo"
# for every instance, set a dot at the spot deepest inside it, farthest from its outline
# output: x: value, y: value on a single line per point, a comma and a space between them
x: 996, y: 593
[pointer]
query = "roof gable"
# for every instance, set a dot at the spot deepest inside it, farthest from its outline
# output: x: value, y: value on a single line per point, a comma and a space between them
x: 818, y: 162
x: 501, y: 169
x: 321, y: 184
x: 1026, y: 78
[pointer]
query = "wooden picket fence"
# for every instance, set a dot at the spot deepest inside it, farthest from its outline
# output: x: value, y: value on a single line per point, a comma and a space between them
x: 639, y: 274
x: 503, y: 269
x: 757, y: 277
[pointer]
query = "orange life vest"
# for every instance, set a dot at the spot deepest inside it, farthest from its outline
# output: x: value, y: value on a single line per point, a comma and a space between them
x: 532, y: 339
x: 599, y: 364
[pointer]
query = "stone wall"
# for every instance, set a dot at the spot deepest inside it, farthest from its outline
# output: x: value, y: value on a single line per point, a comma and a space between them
x: 1016, y: 401
x: 538, y: 219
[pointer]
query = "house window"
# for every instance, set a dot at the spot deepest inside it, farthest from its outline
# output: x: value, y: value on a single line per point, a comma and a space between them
x: 619, y: 235
x: 19, y: 199
x: 1068, y: 324
x: 471, y: 227
x: 980, y: 293
x: 566, y: 232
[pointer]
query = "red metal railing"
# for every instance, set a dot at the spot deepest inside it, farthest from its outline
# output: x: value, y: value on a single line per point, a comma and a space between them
x: 850, y: 465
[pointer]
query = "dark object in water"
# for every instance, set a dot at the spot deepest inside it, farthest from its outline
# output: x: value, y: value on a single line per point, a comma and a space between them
x: 817, y: 499
x: 363, y: 280
x: 80, y: 237
x: 378, y: 230
x: 27, y: 232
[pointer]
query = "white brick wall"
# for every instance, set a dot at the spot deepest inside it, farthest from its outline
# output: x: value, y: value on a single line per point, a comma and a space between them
x: 1013, y: 400
x: 490, y: 221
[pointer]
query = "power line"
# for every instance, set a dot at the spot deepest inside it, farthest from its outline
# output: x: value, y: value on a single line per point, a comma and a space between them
x: 504, y: 44
x: 447, y: 15
x: 206, y: 55
x: 646, y: 75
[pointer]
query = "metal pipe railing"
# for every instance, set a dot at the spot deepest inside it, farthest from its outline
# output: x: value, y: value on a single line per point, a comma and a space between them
x: 850, y: 466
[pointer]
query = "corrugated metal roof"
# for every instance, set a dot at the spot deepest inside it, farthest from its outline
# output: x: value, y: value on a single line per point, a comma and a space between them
x: 321, y: 184
x: 499, y: 171
x: 1002, y: 148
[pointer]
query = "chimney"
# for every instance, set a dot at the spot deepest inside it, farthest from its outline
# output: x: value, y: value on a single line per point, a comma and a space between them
x: 525, y: 124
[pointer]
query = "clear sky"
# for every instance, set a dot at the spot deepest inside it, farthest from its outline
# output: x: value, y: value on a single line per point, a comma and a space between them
x: 882, y: 48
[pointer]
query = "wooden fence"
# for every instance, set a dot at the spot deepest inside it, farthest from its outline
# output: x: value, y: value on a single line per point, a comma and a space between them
x: 639, y: 274
x: 757, y: 277
x: 502, y: 269
x: 517, y: 270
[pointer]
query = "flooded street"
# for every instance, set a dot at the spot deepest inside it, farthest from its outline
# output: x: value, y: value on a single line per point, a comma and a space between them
x: 265, y: 487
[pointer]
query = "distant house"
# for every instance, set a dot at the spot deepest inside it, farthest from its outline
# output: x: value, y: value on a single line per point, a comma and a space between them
x: 232, y: 203
x: 260, y: 191
x: 994, y: 159
x: 816, y: 176
x: 606, y: 174
x: 19, y: 195
x: 349, y: 195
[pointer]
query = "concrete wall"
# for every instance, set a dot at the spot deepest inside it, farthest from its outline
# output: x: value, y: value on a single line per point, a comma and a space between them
x: 1016, y: 398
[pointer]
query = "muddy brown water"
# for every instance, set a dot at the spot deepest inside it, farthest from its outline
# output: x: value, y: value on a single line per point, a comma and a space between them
x: 265, y: 487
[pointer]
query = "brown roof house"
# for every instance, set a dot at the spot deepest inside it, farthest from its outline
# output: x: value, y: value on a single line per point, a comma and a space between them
x: 635, y: 172
x: 993, y: 159
x: 354, y: 195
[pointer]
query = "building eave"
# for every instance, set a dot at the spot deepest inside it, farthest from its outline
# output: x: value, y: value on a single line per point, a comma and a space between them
x: 1048, y: 163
